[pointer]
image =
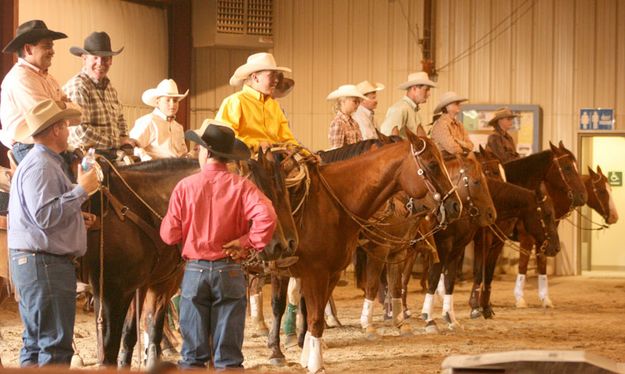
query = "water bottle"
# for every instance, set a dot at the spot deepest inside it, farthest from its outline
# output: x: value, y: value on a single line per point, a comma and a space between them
x: 89, y: 160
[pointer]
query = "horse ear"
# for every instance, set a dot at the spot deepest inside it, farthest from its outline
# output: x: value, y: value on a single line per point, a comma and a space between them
x: 591, y: 172
x: 421, y: 131
x: 599, y: 170
x: 561, y: 145
x: 480, y: 148
x: 554, y: 149
x: 383, y: 138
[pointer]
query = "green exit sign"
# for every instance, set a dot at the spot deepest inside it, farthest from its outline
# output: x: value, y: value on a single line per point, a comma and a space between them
x: 615, y: 178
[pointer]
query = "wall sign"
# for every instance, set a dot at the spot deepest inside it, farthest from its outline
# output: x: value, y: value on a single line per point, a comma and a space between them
x: 615, y: 178
x: 596, y: 119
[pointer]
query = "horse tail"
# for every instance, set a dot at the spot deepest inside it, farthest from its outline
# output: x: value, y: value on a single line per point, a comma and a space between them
x: 360, y: 268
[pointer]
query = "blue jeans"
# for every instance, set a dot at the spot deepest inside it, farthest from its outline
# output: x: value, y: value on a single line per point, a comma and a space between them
x: 212, y: 314
x: 20, y: 150
x: 46, y: 285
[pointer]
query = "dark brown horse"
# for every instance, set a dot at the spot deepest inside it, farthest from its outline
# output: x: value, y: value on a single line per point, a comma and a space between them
x: 600, y: 195
x: 135, y: 258
x: 342, y: 196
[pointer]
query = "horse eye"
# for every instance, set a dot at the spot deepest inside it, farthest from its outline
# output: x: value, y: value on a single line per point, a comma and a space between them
x: 568, y: 168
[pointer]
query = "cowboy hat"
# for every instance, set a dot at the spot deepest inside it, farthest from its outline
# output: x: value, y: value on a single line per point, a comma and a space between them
x: 448, y: 98
x: 43, y: 115
x: 366, y: 87
x: 219, y: 139
x: 96, y: 44
x: 31, y: 32
x: 167, y: 88
x: 284, y: 87
x: 501, y: 113
x: 346, y: 90
x: 256, y: 62
x: 419, y: 78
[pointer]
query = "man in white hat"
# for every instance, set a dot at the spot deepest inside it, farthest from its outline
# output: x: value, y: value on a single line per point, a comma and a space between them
x: 404, y: 113
x: 253, y: 113
x: 102, y: 124
x: 365, y: 114
x: 28, y: 82
x: 447, y: 132
x: 157, y: 134
x: 46, y: 231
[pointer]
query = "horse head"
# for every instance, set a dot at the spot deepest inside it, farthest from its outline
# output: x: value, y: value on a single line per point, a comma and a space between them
x: 491, y: 166
x: 539, y: 220
x: 600, y: 195
x: 426, y: 162
x: 564, y: 176
x: 473, y: 189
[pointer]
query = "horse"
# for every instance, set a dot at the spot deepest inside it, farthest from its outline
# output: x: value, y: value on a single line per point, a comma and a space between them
x: 478, y: 209
x: 600, y: 195
x: 341, y: 197
x: 133, y: 256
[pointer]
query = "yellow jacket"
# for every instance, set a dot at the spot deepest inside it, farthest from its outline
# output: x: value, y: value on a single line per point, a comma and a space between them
x: 255, y: 118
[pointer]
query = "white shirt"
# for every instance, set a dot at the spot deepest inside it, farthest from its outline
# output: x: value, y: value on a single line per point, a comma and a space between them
x: 366, y: 121
x: 158, y: 138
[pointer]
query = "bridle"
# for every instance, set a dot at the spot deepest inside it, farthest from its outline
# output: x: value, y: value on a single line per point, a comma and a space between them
x: 569, y: 192
x: 593, y: 185
x: 463, y: 178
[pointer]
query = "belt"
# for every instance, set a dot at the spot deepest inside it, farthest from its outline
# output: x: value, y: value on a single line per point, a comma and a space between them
x: 223, y: 259
x: 28, y: 251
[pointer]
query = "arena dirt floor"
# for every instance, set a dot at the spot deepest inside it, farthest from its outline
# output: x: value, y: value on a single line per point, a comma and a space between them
x: 588, y: 316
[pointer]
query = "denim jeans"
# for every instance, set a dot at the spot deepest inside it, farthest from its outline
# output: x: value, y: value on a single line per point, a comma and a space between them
x: 20, y: 150
x: 46, y: 285
x: 212, y: 314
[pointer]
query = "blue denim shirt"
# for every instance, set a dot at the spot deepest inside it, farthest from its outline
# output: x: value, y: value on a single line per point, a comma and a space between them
x: 44, y: 207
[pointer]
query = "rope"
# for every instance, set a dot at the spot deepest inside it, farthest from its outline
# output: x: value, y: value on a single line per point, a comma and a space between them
x: 100, y: 319
x: 504, y: 239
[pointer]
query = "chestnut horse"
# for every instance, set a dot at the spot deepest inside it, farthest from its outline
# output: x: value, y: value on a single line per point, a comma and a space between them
x: 134, y: 257
x: 342, y: 196
x: 600, y: 195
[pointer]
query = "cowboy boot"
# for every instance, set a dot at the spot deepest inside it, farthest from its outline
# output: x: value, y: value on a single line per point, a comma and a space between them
x: 543, y: 291
x: 256, y: 315
x: 518, y: 291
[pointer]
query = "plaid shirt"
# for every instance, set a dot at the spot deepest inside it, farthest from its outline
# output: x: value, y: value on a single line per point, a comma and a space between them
x: 102, y: 121
x: 343, y: 131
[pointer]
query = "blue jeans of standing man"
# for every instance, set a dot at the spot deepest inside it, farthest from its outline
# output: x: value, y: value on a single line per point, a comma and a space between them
x: 46, y: 285
x: 212, y: 314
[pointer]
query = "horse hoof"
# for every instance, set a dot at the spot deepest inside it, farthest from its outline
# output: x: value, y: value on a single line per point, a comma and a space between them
x: 332, y: 322
x: 405, y: 330
x: 407, y: 314
x: 277, y: 361
x: 431, y: 328
x: 371, y: 333
x: 454, y: 326
x: 547, y: 302
x: 425, y: 317
x: 476, y: 313
x: 520, y: 303
x: 76, y: 362
x: 488, y: 312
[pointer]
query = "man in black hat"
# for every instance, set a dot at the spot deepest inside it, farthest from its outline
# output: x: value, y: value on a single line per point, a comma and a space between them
x: 210, y: 214
x: 28, y: 82
x: 102, y: 126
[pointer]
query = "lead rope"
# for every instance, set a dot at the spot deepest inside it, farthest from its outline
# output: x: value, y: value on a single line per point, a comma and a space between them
x: 100, y: 319
x: 504, y: 239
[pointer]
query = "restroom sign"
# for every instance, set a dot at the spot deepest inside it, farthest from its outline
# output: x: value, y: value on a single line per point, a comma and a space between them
x: 596, y: 119
x: 615, y: 178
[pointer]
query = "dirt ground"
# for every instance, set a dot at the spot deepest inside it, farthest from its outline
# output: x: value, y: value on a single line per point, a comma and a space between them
x: 588, y: 316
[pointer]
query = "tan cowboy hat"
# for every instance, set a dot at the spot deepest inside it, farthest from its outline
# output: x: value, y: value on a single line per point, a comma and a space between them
x: 417, y: 79
x: 346, y: 90
x: 43, y: 115
x: 96, y: 44
x: 167, y: 88
x: 256, y: 62
x: 219, y: 139
x: 448, y: 98
x: 284, y: 87
x: 501, y: 113
x: 366, y: 87
x: 31, y: 32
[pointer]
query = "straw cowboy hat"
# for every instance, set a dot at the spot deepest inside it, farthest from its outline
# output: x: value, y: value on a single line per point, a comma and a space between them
x: 284, y: 87
x: 167, y: 88
x: 366, y: 87
x: 417, y: 79
x: 96, y: 44
x: 346, y: 90
x: 43, y: 115
x: 448, y: 98
x: 501, y: 113
x: 30, y: 32
x: 219, y: 139
x: 256, y: 62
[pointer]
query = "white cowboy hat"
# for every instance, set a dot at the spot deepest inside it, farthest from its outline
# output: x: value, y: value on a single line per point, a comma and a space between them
x: 416, y: 79
x: 448, y: 98
x: 256, y: 62
x: 366, y: 87
x: 43, y: 115
x: 167, y: 88
x: 346, y: 90
x: 501, y: 113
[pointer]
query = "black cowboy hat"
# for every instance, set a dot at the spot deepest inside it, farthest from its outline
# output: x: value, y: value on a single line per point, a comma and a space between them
x: 219, y: 140
x: 31, y: 32
x: 96, y: 44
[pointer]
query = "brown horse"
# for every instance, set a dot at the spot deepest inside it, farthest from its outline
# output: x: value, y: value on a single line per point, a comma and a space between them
x: 342, y: 196
x: 600, y: 195
x: 478, y: 210
x: 135, y: 258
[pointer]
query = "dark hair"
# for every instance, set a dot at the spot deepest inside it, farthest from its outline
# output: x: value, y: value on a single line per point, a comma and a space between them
x: 444, y: 109
x: 218, y: 158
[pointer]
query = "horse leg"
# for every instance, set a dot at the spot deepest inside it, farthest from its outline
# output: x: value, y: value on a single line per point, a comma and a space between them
x: 302, y: 334
x: 434, y: 274
x: 411, y: 257
x: 449, y: 314
x: 109, y: 331
x: 373, y: 269
x: 279, y: 287
x: 491, y: 264
x: 259, y: 328
x: 293, y: 295
x: 481, y: 241
x: 527, y: 242
x: 129, y: 336
x: 543, y: 285
x: 394, y: 285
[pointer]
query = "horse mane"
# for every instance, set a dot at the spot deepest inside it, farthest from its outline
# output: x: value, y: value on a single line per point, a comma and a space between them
x: 529, y: 171
x: 162, y: 164
x: 352, y: 150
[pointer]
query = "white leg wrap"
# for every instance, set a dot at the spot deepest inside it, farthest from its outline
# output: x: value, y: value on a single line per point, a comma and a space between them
x: 440, y: 288
x: 427, y: 306
x: 543, y: 287
x: 519, y: 286
x: 305, y: 350
x: 315, y: 358
x: 256, y: 306
x: 328, y: 310
x: 448, y: 306
x: 398, y: 312
x: 146, y: 341
x: 367, y: 314
x: 293, y: 291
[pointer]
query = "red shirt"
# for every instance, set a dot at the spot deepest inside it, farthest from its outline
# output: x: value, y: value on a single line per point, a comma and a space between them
x: 213, y: 207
